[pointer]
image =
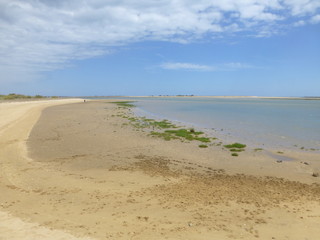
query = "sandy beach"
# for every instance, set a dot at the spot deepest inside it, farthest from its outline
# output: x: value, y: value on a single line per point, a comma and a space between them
x: 75, y: 170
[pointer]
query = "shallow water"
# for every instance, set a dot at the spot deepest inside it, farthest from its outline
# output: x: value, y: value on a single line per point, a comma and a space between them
x: 274, y: 123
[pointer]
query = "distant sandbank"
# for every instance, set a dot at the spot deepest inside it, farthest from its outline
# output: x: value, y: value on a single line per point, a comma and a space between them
x: 226, y: 97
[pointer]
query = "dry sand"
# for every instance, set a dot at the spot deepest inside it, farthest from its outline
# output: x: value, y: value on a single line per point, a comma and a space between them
x: 88, y: 174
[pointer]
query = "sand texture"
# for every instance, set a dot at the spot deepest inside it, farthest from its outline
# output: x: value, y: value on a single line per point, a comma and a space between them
x: 84, y: 172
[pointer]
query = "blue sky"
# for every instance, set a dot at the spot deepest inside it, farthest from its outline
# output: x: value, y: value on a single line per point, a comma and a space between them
x: 243, y: 47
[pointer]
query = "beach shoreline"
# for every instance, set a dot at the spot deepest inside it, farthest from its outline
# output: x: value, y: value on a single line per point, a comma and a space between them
x: 94, y: 175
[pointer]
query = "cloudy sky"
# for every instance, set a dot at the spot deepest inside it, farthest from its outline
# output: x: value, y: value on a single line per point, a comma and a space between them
x: 152, y: 47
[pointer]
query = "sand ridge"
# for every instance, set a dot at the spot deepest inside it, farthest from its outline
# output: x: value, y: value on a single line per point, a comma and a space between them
x: 93, y: 175
x: 16, y: 121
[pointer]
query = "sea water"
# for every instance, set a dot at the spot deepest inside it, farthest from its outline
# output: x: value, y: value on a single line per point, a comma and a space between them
x: 276, y: 123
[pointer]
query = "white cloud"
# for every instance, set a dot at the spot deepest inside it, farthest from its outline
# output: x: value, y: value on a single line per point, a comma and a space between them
x: 186, y: 66
x: 299, y: 23
x: 315, y: 19
x: 302, y: 7
x: 45, y: 35
x: 205, y: 68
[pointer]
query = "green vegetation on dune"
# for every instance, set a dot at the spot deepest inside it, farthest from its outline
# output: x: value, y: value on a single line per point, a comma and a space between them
x: 235, y: 148
x: 166, y: 136
x: 181, y: 134
x: 126, y: 104
x: 160, y: 124
x: 187, y: 134
x: 203, y: 146
x: 202, y: 139
x: 149, y: 123
x: 235, y: 145
x: 13, y: 96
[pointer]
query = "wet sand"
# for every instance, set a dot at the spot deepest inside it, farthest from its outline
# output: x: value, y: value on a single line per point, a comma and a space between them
x: 88, y: 174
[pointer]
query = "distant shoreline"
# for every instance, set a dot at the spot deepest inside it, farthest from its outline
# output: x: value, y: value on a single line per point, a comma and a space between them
x: 219, y: 97
x: 156, y: 96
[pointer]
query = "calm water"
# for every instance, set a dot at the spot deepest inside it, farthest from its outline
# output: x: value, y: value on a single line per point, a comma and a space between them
x: 258, y: 122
